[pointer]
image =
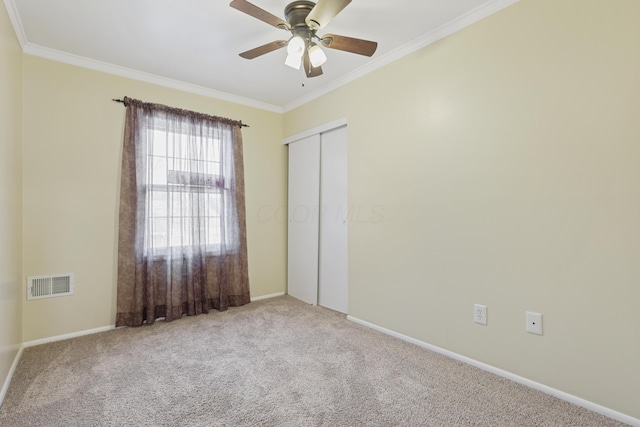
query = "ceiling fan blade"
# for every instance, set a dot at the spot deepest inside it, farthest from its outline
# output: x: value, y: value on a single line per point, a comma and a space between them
x: 261, y: 14
x: 266, y: 48
x: 310, y: 70
x: 349, y: 44
x: 324, y: 11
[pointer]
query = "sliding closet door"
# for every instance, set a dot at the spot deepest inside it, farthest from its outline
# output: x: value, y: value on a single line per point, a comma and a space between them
x: 332, y: 288
x: 304, y: 208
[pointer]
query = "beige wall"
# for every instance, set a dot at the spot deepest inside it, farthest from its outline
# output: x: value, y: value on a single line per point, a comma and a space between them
x: 72, y: 149
x: 499, y: 166
x: 10, y: 195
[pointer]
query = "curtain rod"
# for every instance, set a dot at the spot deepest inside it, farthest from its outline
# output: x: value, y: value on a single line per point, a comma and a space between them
x: 121, y: 101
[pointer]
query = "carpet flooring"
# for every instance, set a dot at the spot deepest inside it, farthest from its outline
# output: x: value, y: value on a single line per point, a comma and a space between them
x: 275, y: 362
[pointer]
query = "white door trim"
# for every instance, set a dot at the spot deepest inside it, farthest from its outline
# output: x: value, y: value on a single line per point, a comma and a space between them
x: 318, y: 129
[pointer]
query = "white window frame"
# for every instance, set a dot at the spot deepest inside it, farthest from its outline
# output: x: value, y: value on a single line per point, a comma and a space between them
x: 224, y: 192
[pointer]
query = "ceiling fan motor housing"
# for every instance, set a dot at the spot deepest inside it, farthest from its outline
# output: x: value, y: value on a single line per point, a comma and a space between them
x: 295, y: 13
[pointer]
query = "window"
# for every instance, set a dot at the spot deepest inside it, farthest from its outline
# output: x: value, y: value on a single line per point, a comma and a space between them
x: 187, y: 189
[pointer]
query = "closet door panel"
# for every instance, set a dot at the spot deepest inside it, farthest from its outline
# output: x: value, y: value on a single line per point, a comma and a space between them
x: 304, y: 208
x: 333, y: 270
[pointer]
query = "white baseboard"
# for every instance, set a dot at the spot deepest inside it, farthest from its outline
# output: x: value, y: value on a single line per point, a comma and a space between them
x: 108, y: 328
x: 7, y: 381
x: 67, y: 336
x: 277, y: 294
x: 508, y: 375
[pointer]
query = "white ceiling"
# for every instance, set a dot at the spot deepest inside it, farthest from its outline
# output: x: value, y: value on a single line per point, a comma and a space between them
x: 195, y: 43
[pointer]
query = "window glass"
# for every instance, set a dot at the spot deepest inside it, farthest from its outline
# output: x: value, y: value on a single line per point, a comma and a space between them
x: 186, y: 190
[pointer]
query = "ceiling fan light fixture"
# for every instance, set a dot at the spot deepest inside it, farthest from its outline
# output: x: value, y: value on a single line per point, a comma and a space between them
x: 316, y: 56
x: 296, y: 46
x: 293, y: 61
x: 303, y: 18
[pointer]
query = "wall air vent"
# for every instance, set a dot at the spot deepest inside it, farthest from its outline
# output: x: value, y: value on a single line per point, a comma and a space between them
x: 49, y: 286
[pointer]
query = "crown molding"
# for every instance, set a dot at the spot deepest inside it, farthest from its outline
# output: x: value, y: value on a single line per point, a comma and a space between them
x: 83, y: 62
x: 16, y: 22
x: 471, y: 17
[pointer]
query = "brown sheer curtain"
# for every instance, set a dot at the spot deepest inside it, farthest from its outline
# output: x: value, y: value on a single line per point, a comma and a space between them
x: 182, y: 236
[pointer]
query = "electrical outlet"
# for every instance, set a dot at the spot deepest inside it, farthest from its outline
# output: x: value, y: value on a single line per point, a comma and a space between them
x: 534, y: 323
x: 480, y: 314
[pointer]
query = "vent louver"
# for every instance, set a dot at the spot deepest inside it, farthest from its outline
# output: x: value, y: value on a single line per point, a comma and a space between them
x: 49, y: 286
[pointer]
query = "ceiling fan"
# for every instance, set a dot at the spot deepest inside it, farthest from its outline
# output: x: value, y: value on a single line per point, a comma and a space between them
x: 303, y: 20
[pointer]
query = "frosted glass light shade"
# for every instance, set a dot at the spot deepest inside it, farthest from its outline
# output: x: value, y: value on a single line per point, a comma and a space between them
x: 296, y: 46
x: 293, y: 61
x: 316, y: 55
